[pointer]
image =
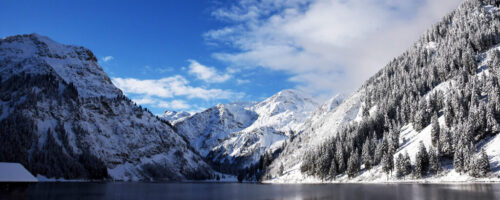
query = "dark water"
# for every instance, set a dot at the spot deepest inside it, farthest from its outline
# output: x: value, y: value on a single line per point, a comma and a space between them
x: 202, y: 191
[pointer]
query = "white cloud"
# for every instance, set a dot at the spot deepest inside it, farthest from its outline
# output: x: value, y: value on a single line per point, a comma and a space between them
x: 158, y: 103
x: 170, y: 87
x: 207, y: 74
x: 326, y: 45
x: 107, y: 58
x: 242, y: 81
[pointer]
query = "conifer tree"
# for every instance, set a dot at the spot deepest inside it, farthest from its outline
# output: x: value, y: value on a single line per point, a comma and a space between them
x: 333, y: 170
x: 434, y: 163
x: 483, y: 164
x: 365, y: 154
x: 421, y: 161
x: 435, y: 131
x: 407, y: 164
x: 353, y: 165
x: 388, y: 162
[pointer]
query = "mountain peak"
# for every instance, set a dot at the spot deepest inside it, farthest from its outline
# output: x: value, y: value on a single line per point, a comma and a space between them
x: 38, y: 54
x: 173, y: 116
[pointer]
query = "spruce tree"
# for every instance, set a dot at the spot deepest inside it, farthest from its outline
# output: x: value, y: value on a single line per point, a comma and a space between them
x: 400, y: 168
x: 421, y: 161
x: 446, y: 144
x: 458, y: 160
x: 434, y: 163
x: 366, y: 155
x: 435, y: 131
x: 407, y: 164
x: 281, y: 169
x: 387, y: 162
x: 340, y: 160
x: 483, y: 164
x: 333, y: 170
x: 353, y: 165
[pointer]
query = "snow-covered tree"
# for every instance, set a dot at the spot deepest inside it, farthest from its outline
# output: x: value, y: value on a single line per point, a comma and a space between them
x: 388, y: 162
x: 366, y: 155
x: 353, y: 165
x: 421, y: 161
x: 435, y: 131
x: 434, y: 163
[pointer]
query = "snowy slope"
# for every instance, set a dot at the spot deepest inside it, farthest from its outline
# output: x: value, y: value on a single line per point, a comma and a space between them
x: 321, y: 125
x: 325, y: 126
x: 63, y: 118
x: 244, y: 131
x: 173, y: 116
x: 38, y: 54
x: 409, y: 142
x: 206, y: 129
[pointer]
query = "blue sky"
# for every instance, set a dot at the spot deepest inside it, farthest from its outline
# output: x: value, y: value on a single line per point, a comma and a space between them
x: 189, y: 55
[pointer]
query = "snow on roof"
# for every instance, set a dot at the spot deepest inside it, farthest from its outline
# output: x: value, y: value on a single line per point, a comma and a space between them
x: 15, y: 172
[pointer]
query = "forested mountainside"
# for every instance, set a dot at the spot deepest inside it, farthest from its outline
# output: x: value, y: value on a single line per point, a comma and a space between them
x: 235, y: 136
x: 432, y: 112
x: 61, y: 117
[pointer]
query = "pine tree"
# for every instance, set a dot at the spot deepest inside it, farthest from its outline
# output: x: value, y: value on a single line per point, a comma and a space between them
x: 400, y: 168
x: 435, y: 131
x: 446, y: 144
x: 407, y: 164
x: 483, y: 164
x: 434, y: 163
x: 448, y: 113
x: 421, y: 161
x: 380, y: 151
x: 340, y: 160
x: 458, y: 160
x: 388, y: 162
x: 366, y: 155
x: 353, y: 165
x: 333, y: 170
x: 281, y: 169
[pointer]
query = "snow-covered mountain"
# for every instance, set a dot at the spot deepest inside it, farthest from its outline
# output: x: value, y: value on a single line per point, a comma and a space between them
x: 238, y: 134
x: 173, y: 116
x: 439, y: 97
x: 61, y: 117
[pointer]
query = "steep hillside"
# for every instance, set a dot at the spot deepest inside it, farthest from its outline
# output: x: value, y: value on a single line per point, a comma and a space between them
x: 439, y: 102
x: 61, y: 117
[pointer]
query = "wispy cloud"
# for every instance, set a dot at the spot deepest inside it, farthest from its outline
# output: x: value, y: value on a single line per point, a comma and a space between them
x: 207, y: 74
x: 326, y: 45
x: 161, y: 70
x: 242, y: 81
x: 159, y: 103
x: 107, y: 58
x: 171, y: 87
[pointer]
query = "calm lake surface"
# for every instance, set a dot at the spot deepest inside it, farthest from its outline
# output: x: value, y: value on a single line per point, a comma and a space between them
x: 201, y: 191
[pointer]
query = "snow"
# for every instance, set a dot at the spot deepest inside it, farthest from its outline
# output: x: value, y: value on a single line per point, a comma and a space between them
x: 15, y: 172
x: 173, y: 116
x: 73, y: 64
x: 492, y: 149
x: 409, y: 142
x: 247, y: 129
x: 318, y: 127
x: 431, y: 45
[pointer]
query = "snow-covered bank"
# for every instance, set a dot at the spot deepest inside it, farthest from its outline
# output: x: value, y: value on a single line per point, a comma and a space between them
x: 15, y: 172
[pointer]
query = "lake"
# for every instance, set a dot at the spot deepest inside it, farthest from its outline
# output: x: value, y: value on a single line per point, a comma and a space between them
x: 218, y: 191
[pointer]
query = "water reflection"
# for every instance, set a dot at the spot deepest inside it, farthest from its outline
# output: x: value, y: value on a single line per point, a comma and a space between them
x: 251, y: 191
